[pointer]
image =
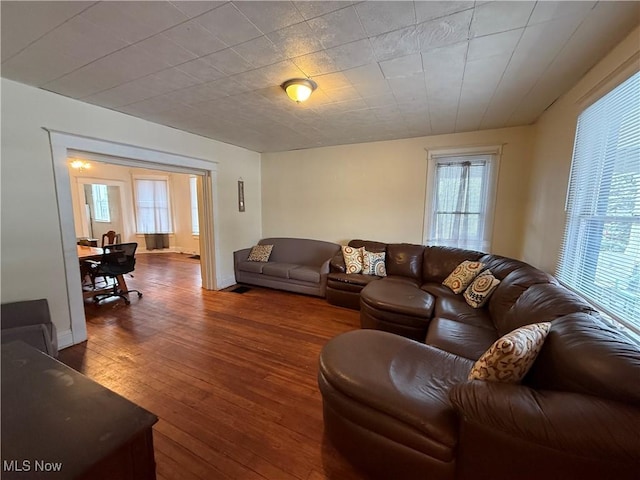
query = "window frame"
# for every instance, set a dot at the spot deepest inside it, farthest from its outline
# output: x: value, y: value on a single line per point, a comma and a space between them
x: 440, y: 155
x: 97, y: 203
x: 193, y: 196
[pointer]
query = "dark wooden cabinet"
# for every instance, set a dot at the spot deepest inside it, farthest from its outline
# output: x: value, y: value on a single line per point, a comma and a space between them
x: 59, y: 424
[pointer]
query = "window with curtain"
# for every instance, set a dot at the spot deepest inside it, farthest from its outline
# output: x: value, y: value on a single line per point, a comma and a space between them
x: 193, y: 188
x: 460, y: 200
x: 600, y: 256
x: 100, y: 197
x: 153, y: 208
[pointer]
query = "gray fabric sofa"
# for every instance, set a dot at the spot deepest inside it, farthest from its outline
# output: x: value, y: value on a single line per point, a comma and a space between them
x: 30, y: 322
x: 297, y: 265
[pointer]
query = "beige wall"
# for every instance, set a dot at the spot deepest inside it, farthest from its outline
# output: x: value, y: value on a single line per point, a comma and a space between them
x: 31, y: 257
x: 377, y: 190
x: 555, y: 132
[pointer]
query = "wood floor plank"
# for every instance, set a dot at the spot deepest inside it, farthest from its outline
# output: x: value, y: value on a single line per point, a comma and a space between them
x: 231, y: 376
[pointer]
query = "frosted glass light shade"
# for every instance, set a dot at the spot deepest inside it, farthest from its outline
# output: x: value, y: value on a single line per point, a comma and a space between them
x: 299, y: 89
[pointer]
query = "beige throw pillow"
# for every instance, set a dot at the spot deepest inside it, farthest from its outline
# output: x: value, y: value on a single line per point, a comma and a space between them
x: 260, y: 253
x: 373, y: 264
x: 353, y: 258
x: 477, y: 294
x: 510, y: 357
x: 463, y: 275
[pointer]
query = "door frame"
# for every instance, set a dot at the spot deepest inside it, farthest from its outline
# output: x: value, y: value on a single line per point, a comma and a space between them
x: 64, y: 145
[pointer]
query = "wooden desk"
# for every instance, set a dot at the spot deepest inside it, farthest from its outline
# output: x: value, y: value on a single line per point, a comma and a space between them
x: 95, y: 253
x: 59, y: 424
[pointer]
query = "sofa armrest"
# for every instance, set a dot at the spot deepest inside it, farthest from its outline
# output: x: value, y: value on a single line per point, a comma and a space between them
x: 514, y: 424
x: 336, y: 263
x: 41, y: 336
x: 325, y: 267
x: 241, y: 256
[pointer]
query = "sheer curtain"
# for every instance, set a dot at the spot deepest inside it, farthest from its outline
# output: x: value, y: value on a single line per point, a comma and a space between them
x: 460, y: 201
x: 152, y: 206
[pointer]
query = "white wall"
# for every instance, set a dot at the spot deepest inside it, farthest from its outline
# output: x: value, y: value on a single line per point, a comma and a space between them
x: 553, y: 150
x: 31, y: 246
x: 376, y: 190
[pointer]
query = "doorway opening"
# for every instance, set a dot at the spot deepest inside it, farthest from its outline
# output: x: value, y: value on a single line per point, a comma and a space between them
x: 65, y: 145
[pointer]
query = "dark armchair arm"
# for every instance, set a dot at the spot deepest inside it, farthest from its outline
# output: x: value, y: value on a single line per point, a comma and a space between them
x: 506, y: 428
x: 336, y: 264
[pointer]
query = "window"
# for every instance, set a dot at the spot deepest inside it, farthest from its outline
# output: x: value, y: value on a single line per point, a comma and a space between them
x: 153, y: 210
x: 193, y: 187
x: 600, y: 256
x: 100, y: 196
x: 459, y: 206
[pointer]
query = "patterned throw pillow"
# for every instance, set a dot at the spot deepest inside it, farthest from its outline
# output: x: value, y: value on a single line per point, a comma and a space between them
x: 260, y: 253
x: 353, y: 258
x: 509, y: 359
x: 481, y: 289
x: 462, y: 275
x: 373, y: 264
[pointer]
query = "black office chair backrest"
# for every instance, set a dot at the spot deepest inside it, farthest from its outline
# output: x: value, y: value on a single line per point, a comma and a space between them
x: 118, y: 259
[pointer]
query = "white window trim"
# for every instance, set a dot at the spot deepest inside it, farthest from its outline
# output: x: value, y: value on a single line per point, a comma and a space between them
x: 432, y: 158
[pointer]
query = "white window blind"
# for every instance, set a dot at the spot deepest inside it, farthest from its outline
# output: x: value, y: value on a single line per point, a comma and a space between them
x: 600, y: 256
x: 100, y: 196
x: 461, y: 201
x: 193, y: 188
x: 153, y: 212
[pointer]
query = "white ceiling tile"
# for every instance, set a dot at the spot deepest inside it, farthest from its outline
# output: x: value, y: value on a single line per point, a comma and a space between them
x: 374, y: 88
x: 311, y: 9
x: 38, y: 65
x: 365, y: 74
x: 444, y: 31
x: 173, y: 77
x: 402, y: 66
x: 319, y: 63
x: 270, y: 16
x: 332, y: 80
x: 431, y: 10
x: 384, y: 16
x: 549, y: 10
x: 195, y: 8
x: 122, y: 95
x: 134, y: 21
x: 195, y: 38
x: 378, y: 101
x: 392, y: 44
x: 342, y: 94
x: 354, y: 54
x: 494, y: 17
x: 337, y: 28
x: 296, y: 40
x: 201, y: 69
x: 229, y: 25
x: 495, y: 44
x: 24, y: 22
x: 161, y: 47
x: 409, y: 88
x: 260, y: 52
x: 228, y: 62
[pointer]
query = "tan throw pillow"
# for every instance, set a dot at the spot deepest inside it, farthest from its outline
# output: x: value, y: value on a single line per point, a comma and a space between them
x: 353, y: 258
x: 373, y: 264
x: 463, y: 275
x: 477, y: 294
x: 510, y: 357
x: 260, y: 253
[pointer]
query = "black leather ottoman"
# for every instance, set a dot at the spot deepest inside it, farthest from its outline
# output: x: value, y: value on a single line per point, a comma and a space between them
x: 396, y: 306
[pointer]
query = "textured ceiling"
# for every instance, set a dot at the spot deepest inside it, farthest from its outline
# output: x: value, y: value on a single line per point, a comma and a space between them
x: 385, y: 70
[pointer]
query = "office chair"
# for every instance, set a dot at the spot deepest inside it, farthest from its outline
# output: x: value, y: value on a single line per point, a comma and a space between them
x: 112, y: 238
x: 118, y: 259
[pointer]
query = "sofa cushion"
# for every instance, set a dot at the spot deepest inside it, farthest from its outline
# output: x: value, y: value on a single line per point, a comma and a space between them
x: 478, y: 293
x: 353, y: 259
x: 398, y: 297
x: 260, y: 253
x: 462, y: 276
x: 305, y: 273
x: 454, y: 307
x: 511, y: 356
x: 466, y: 340
x: 582, y: 354
x: 438, y: 262
x: 301, y: 251
x: 402, y: 382
x: 369, y: 245
x: 374, y: 263
x: 349, y: 282
x: 404, y: 259
x: 251, y: 267
x: 276, y: 269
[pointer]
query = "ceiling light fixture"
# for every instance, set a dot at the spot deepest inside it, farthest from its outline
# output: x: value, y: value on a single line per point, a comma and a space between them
x: 299, y: 89
x: 81, y: 165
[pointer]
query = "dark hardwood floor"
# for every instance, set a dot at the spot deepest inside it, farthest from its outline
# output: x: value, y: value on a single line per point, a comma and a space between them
x: 231, y: 376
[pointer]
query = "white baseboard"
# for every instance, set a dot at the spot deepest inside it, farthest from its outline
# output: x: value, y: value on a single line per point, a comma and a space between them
x: 65, y: 339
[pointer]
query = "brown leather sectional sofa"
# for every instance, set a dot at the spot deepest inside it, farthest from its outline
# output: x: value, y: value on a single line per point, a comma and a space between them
x: 398, y: 404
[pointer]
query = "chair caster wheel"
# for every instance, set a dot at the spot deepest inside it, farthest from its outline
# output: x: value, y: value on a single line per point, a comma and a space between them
x: 139, y: 295
x: 127, y: 302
